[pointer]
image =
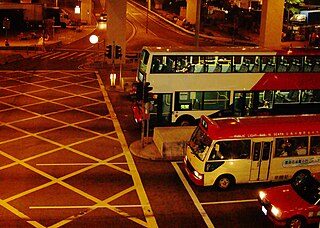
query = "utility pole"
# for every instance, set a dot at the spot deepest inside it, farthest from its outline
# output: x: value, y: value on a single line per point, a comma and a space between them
x: 197, y: 32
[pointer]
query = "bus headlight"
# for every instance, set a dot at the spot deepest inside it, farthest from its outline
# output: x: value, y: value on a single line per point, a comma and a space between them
x: 262, y: 195
x: 198, y: 175
x: 276, y: 212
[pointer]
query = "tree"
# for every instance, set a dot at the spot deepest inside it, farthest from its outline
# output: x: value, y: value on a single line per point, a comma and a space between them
x: 292, y: 7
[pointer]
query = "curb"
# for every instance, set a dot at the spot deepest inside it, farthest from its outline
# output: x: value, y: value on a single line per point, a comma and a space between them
x: 148, y: 152
x: 10, y: 58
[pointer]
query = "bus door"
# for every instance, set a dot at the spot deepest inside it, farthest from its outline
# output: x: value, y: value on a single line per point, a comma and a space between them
x: 243, y: 103
x: 161, y: 107
x: 260, y: 163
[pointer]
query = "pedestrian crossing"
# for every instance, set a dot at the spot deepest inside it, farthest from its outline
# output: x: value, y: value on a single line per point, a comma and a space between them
x: 62, y: 55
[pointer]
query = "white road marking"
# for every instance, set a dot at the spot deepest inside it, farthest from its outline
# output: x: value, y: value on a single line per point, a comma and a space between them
x: 193, y: 196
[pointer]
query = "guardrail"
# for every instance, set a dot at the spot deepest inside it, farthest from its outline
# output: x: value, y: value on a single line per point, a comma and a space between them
x: 133, y: 57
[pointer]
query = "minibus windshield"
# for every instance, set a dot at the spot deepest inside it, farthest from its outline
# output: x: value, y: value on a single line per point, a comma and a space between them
x: 200, y: 143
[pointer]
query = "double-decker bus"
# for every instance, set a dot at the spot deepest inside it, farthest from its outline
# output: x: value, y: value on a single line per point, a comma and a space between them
x: 229, y: 150
x: 222, y: 81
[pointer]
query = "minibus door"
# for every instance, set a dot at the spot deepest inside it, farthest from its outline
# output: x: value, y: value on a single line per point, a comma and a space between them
x: 260, y: 162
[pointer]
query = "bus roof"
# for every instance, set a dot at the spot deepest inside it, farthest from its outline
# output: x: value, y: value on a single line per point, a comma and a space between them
x: 261, y: 126
x: 228, y: 51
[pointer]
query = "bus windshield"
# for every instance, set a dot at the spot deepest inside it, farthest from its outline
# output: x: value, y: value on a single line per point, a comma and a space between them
x: 200, y: 143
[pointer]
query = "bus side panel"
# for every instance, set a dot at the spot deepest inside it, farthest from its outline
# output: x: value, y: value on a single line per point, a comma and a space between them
x: 238, y: 168
x: 283, y: 168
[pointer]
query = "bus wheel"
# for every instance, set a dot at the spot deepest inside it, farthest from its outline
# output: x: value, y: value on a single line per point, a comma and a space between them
x: 296, y: 222
x: 224, y: 182
x: 185, y: 121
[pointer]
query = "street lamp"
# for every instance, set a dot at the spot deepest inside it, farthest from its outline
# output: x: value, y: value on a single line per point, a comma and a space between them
x: 77, y: 10
x: 95, y: 40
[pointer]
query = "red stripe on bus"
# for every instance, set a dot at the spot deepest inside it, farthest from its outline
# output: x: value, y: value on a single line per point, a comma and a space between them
x: 288, y: 81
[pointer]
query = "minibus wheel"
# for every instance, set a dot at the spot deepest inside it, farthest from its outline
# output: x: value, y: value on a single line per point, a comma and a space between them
x: 224, y: 182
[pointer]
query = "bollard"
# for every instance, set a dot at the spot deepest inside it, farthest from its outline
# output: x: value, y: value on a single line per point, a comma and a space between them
x: 113, y: 77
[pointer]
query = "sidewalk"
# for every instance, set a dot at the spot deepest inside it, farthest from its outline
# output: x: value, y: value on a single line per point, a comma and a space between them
x: 19, y: 49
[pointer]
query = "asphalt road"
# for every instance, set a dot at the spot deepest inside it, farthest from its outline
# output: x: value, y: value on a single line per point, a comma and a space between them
x: 64, y: 157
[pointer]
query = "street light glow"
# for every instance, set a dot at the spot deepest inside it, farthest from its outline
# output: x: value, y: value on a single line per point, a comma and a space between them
x: 93, y: 39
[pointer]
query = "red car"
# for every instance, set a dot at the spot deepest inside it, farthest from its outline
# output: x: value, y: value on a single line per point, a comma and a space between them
x: 294, y: 205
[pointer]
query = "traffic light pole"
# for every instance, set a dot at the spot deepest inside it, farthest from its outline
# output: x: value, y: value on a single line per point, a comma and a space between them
x: 147, y: 105
x: 144, y: 113
x: 142, y: 124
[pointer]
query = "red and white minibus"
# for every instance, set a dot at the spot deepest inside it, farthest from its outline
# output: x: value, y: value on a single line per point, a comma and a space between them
x: 230, y: 150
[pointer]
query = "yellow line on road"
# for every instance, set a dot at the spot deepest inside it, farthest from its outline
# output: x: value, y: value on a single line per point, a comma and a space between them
x: 81, y: 164
x: 87, y: 207
x: 231, y: 201
x: 20, y: 214
x: 147, y: 210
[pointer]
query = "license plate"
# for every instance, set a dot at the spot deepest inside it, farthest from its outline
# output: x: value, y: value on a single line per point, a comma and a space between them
x: 264, y: 210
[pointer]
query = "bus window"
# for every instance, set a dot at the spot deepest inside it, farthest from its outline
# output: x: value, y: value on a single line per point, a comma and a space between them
x: 300, y: 146
x: 293, y: 146
x: 268, y: 63
x: 210, y: 63
x: 243, y: 103
x: 307, y: 66
x: 197, y: 63
x: 225, y: 63
x: 266, y: 99
x: 282, y: 64
x: 307, y: 96
x: 295, y: 64
x: 283, y: 147
x: 216, y: 100
x: 234, y: 149
x: 316, y: 67
x: 288, y: 96
x: 184, y: 64
x: 256, y: 65
x: 315, y: 145
x: 144, y: 61
x: 247, y: 64
x: 170, y: 64
x: 157, y: 64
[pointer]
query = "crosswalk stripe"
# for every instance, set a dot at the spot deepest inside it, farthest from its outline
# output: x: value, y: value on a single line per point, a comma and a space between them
x: 72, y: 54
x: 62, y: 54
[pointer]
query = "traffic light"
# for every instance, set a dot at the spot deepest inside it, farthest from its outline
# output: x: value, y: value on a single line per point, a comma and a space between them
x: 139, y: 90
x: 146, y: 91
x: 108, y: 51
x: 118, y: 51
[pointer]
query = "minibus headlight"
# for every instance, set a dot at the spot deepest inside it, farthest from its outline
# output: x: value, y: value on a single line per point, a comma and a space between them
x: 276, y: 212
x: 262, y: 195
x: 198, y: 175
